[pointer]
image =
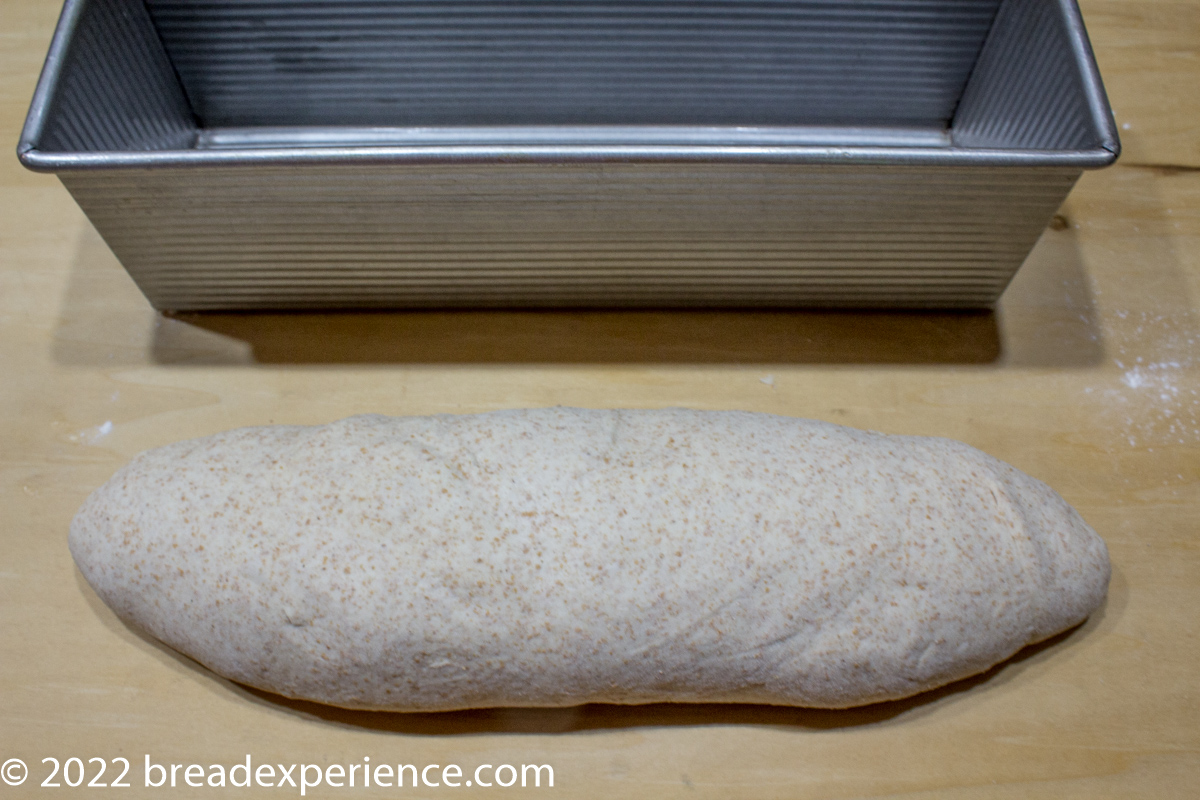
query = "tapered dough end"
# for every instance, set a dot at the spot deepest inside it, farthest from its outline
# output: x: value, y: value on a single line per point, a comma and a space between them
x: 1073, y: 558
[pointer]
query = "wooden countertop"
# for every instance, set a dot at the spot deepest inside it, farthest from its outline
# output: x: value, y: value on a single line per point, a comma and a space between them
x: 1086, y: 377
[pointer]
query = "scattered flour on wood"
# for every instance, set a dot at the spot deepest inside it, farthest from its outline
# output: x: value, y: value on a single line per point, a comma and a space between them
x: 1156, y: 394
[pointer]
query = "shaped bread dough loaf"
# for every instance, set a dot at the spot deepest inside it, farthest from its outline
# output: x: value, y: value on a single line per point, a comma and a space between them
x: 561, y: 556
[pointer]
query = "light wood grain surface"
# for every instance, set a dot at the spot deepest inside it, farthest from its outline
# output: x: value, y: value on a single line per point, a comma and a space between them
x: 1086, y: 377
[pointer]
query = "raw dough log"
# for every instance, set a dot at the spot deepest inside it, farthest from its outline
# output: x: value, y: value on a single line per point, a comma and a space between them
x: 561, y: 556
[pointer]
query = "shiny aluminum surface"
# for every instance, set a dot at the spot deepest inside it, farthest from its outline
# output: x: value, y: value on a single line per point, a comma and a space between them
x: 263, y: 154
x: 573, y: 62
x: 588, y: 234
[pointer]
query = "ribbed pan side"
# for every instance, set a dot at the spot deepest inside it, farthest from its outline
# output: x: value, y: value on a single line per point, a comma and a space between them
x: 545, y: 62
x: 117, y: 90
x: 1027, y: 91
x: 571, y: 235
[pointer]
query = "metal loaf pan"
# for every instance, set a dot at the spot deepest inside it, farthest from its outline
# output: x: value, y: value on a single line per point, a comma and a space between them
x: 295, y: 153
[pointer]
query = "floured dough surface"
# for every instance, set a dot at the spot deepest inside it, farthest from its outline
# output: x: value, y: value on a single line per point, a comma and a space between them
x: 560, y: 556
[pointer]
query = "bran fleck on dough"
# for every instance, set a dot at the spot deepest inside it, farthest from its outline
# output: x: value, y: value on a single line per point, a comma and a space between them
x: 561, y: 556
